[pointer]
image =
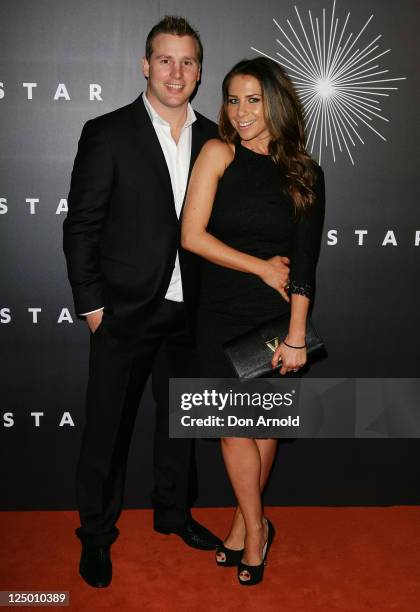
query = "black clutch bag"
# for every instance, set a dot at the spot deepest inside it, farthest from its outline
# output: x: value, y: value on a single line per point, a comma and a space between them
x: 251, y: 353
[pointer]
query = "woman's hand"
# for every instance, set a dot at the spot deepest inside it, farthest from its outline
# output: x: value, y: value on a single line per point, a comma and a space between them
x: 291, y: 358
x: 275, y: 273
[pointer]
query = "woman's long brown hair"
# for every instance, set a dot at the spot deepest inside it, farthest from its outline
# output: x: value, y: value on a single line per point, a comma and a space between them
x: 284, y: 118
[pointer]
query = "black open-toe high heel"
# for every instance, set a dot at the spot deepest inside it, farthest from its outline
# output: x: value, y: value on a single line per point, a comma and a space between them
x: 232, y: 557
x: 256, y: 572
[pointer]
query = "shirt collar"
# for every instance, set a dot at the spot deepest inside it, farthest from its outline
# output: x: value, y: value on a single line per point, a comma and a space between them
x: 156, y: 118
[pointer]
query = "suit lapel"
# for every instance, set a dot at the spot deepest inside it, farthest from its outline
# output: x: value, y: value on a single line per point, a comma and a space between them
x: 150, y: 146
x: 149, y: 143
x: 196, y: 143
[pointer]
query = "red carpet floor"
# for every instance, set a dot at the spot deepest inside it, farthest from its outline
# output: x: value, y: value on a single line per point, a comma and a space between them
x: 322, y: 560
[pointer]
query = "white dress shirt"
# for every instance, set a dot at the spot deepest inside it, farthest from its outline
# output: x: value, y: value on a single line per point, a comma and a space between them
x: 177, y: 158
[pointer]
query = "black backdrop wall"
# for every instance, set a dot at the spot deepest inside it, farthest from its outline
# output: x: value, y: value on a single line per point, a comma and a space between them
x: 62, y: 63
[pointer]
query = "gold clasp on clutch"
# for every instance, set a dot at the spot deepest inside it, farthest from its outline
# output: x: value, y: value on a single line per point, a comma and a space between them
x: 273, y: 344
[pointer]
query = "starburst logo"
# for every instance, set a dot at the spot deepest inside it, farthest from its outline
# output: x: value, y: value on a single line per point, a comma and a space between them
x: 336, y: 77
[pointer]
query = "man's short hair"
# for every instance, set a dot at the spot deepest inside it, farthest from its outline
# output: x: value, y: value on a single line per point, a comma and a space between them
x: 178, y: 26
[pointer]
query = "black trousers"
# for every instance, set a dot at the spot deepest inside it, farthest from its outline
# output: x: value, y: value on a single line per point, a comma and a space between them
x: 121, y: 361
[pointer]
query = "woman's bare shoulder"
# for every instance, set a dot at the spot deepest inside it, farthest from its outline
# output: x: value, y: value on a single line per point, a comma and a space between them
x: 216, y: 147
x: 217, y: 153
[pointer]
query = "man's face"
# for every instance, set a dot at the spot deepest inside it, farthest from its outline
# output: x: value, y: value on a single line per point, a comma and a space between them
x: 172, y: 71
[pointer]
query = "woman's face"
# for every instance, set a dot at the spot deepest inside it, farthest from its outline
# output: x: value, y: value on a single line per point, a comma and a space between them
x: 245, y: 108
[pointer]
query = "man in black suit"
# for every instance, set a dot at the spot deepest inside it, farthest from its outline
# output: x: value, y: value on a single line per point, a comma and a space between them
x: 137, y: 289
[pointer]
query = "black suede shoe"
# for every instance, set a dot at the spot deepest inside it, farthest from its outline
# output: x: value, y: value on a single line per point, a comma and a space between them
x: 193, y: 534
x: 95, y: 566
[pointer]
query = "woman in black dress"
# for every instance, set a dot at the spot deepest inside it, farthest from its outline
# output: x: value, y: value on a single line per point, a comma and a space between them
x: 255, y: 198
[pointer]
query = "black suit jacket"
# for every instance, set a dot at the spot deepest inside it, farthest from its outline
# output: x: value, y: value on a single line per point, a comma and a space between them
x: 121, y: 233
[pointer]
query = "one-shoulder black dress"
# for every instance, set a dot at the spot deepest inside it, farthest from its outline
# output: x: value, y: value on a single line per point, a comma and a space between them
x: 253, y: 213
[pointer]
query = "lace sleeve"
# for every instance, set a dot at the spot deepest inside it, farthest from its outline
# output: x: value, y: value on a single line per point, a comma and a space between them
x: 301, y: 289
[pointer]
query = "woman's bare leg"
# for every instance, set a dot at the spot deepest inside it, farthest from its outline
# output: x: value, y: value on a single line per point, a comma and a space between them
x: 236, y: 536
x: 248, y: 463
